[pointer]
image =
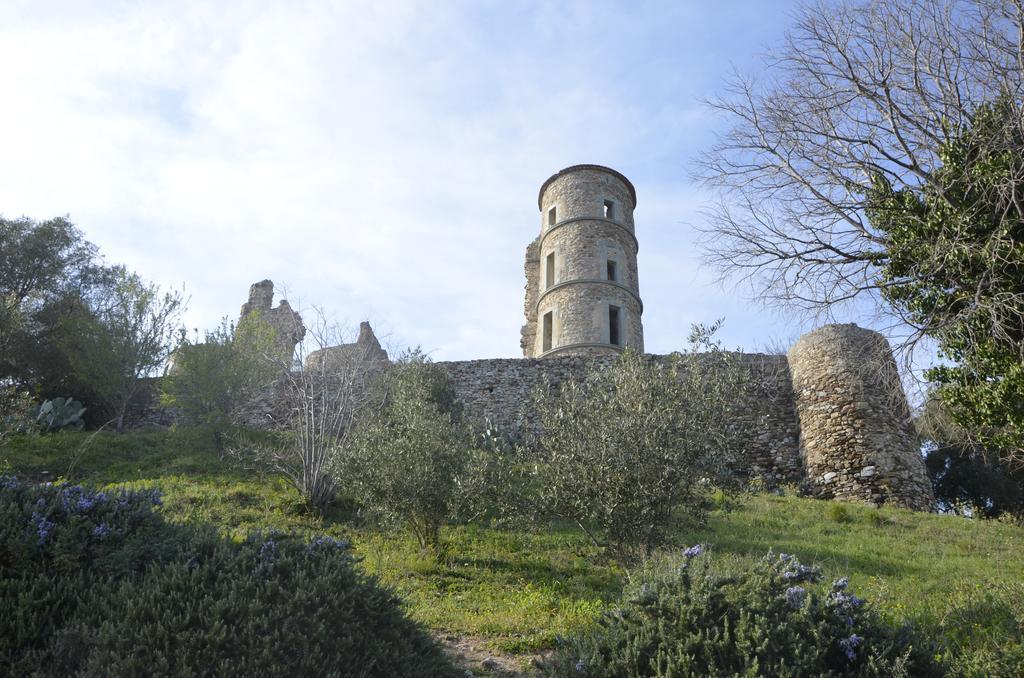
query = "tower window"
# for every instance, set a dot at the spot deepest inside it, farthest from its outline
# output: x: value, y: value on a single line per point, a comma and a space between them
x: 609, y: 209
x: 614, y: 337
x: 549, y: 270
x: 552, y: 216
x: 613, y: 273
x: 546, y: 338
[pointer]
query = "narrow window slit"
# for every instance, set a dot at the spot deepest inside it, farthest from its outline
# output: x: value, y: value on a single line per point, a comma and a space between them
x: 614, y: 337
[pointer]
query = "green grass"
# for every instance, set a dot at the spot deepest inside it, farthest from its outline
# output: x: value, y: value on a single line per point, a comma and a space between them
x: 519, y: 590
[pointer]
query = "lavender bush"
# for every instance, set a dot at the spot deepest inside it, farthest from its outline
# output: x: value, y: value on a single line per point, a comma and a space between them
x: 776, y: 618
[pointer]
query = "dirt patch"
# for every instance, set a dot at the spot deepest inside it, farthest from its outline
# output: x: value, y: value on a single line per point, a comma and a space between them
x: 475, y: 657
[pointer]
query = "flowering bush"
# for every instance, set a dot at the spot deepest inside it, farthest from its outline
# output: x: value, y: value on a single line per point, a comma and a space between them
x: 775, y: 618
x: 95, y: 583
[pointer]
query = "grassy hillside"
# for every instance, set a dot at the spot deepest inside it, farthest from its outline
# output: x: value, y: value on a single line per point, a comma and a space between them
x: 517, y: 591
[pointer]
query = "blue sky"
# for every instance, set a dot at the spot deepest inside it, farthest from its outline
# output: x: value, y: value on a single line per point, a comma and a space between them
x: 378, y: 160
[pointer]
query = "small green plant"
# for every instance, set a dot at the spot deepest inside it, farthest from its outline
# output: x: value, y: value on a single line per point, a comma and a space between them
x: 407, y: 458
x: 213, y: 384
x: 838, y: 513
x: 876, y: 519
x: 59, y: 413
x: 771, y: 619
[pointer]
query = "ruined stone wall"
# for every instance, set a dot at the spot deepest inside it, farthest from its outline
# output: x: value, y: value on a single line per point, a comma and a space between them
x: 857, y: 436
x: 500, y: 392
x: 531, y: 268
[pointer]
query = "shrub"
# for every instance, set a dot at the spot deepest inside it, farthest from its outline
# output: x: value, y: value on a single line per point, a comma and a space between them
x: 213, y: 384
x: 769, y: 619
x: 623, y: 452
x: 407, y: 459
x: 838, y: 513
x: 96, y: 583
x: 15, y: 412
x: 982, y: 626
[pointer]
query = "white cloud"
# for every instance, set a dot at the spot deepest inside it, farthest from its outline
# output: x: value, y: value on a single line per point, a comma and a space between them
x: 380, y: 159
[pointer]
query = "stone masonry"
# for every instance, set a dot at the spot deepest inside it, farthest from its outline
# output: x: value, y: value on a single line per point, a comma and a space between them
x: 831, y: 415
x: 856, y: 434
x: 583, y: 291
x: 287, y: 323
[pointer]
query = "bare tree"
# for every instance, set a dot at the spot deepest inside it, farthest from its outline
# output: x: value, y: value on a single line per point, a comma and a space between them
x: 317, y: 402
x: 859, y: 91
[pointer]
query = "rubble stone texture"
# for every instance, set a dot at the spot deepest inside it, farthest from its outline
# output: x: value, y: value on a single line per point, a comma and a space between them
x: 856, y: 434
x: 582, y: 269
x: 365, y: 349
x: 286, y: 323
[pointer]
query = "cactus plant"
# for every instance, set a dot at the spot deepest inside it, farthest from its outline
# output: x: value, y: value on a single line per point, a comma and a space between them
x: 59, y: 413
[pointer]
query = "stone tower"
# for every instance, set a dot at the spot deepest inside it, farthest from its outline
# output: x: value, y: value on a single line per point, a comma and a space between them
x: 582, y: 290
x: 856, y: 435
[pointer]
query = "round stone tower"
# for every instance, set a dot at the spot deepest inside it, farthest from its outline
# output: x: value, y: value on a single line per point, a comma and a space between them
x: 856, y: 435
x: 583, y: 294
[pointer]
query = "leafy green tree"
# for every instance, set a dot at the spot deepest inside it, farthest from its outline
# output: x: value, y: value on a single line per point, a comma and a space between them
x: 965, y: 475
x: 123, y: 338
x: 213, y: 384
x: 955, y: 270
x: 45, y: 268
x: 408, y: 456
x: 623, y: 451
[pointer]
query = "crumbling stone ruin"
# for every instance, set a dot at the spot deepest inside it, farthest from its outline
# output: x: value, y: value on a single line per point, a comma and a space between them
x: 286, y: 323
x: 366, y: 349
x: 832, y: 414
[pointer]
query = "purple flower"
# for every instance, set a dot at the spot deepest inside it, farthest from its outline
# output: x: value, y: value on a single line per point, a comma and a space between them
x: 43, y: 528
x: 797, y: 572
x: 849, y: 645
x: 8, y: 482
x: 840, y: 584
x: 795, y: 596
x: 326, y: 543
x: 102, y: 531
x: 694, y: 551
x: 581, y: 666
x: 268, y: 551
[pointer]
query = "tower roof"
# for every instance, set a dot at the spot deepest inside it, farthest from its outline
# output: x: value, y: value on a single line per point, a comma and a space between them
x: 574, y: 168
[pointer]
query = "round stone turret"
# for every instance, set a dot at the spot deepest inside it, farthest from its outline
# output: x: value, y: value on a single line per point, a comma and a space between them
x: 583, y: 292
x: 856, y: 434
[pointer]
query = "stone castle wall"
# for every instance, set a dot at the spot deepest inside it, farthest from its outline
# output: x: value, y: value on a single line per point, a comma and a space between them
x: 499, y: 392
x: 831, y: 415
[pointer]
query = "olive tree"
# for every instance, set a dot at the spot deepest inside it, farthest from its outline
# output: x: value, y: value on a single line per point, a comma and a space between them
x: 623, y: 451
x: 213, y: 384
x: 406, y: 462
